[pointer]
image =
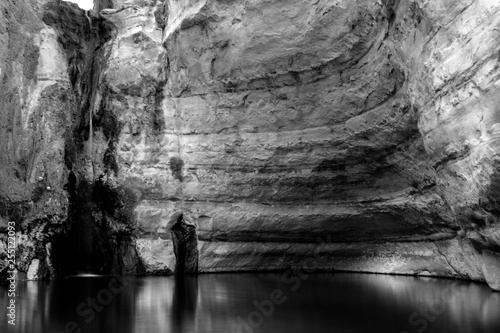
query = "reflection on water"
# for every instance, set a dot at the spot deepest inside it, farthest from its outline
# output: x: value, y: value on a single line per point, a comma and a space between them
x: 184, y: 303
x: 254, y: 302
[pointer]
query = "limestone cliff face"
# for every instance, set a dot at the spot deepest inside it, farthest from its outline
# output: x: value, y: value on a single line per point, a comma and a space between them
x: 35, y: 117
x: 353, y: 135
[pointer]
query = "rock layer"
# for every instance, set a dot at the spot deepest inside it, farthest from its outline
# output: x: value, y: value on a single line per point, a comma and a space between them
x: 365, y: 133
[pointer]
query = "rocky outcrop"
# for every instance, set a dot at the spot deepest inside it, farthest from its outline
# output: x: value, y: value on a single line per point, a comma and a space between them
x: 185, y: 241
x: 348, y: 135
x: 49, y: 189
x: 35, y: 103
x: 491, y: 269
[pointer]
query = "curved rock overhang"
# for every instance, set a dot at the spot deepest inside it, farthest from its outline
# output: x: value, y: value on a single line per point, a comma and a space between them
x: 348, y: 135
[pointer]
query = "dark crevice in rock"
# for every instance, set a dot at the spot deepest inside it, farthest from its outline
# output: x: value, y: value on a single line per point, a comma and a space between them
x: 391, y: 7
x: 161, y: 15
x: 158, y: 120
x: 185, y: 239
x: 445, y: 257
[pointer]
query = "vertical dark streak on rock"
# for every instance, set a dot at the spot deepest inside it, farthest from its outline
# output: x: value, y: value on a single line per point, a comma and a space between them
x: 184, y: 236
x: 97, y: 236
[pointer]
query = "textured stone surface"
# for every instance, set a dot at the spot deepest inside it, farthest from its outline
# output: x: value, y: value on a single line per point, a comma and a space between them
x: 157, y: 255
x: 32, y: 273
x: 366, y: 130
x: 284, y: 122
x: 35, y: 97
x: 491, y: 269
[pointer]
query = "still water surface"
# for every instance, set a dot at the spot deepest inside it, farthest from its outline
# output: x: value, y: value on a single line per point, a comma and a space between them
x: 254, y: 302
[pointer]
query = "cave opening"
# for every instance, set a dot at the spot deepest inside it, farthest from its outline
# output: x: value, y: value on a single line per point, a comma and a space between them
x: 84, y: 246
x: 97, y: 237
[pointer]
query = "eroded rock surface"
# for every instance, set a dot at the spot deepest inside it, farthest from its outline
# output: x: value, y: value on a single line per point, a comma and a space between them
x: 365, y: 133
x: 185, y: 241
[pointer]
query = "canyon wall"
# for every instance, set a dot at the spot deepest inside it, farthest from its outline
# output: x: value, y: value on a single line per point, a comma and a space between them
x: 215, y: 135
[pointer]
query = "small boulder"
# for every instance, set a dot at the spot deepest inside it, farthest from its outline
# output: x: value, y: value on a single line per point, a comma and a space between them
x: 491, y: 269
x: 33, y: 270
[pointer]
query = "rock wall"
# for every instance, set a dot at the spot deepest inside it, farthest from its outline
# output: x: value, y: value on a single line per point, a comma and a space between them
x: 341, y: 135
x: 35, y: 97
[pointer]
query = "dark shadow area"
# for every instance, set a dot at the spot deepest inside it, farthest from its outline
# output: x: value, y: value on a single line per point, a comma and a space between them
x: 98, y: 235
x: 84, y: 246
x: 184, y: 303
x: 185, y: 242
